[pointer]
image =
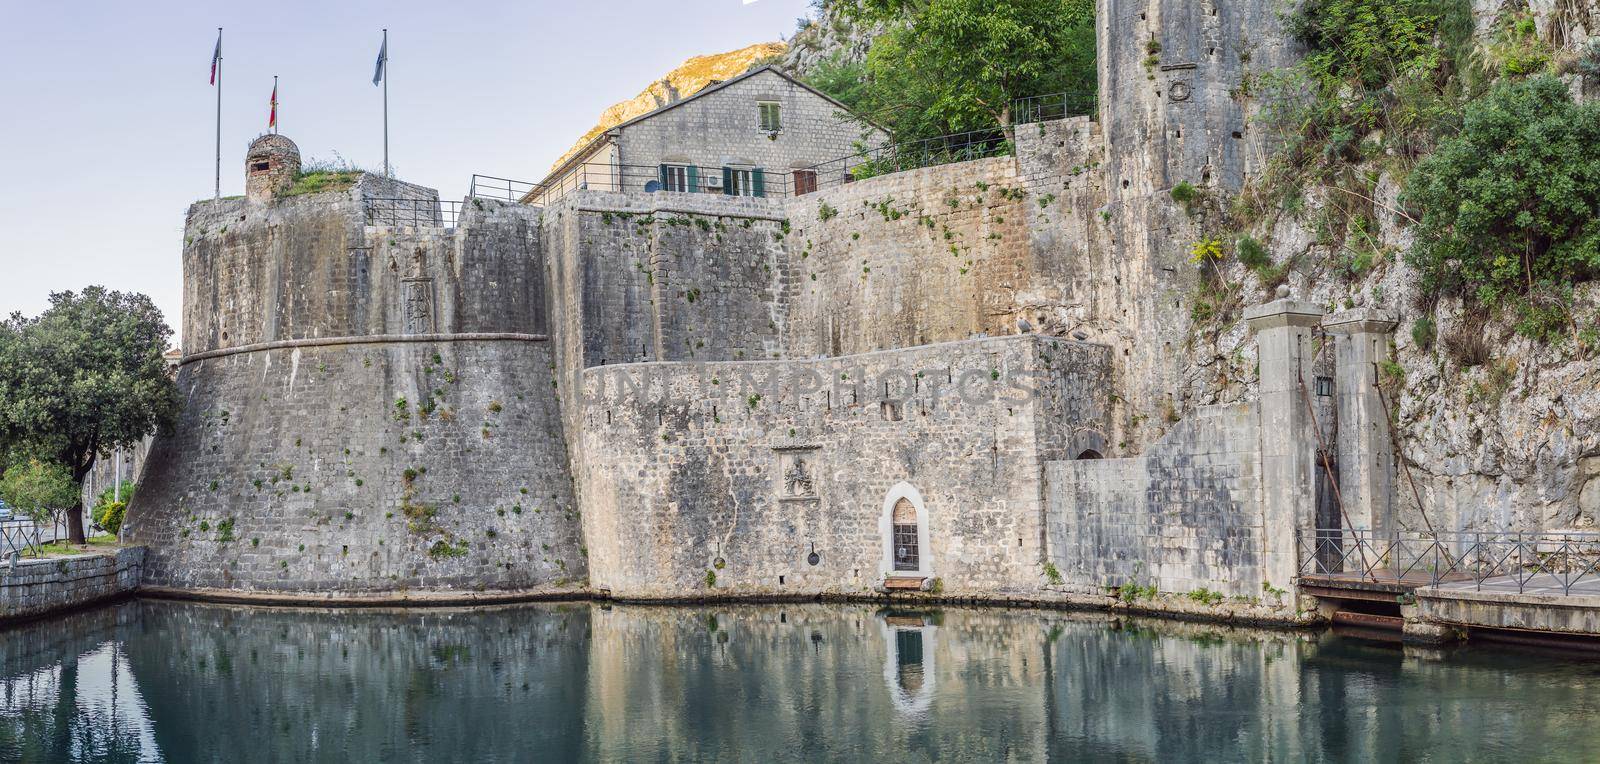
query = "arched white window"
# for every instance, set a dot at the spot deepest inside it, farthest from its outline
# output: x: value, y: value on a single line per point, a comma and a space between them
x: 903, y: 527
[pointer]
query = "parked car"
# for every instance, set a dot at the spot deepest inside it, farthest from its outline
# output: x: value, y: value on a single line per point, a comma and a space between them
x: 5, y: 510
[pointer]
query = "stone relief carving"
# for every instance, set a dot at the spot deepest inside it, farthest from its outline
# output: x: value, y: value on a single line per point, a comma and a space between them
x: 419, y: 306
x: 797, y: 479
x: 797, y: 470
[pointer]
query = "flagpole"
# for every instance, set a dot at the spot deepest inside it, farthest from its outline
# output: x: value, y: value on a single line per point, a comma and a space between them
x: 276, y: 118
x: 217, y: 193
x: 386, y: 103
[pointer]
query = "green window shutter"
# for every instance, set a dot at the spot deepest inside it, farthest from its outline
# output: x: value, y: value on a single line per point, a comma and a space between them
x: 758, y: 182
x: 694, y: 179
x: 727, y: 181
x: 661, y: 174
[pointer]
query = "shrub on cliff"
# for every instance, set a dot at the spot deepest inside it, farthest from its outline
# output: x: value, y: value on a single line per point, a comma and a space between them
x: 1510, y: 207
x: 1370, y: 65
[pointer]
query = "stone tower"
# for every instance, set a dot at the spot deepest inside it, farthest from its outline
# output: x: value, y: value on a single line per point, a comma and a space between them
x: 361, y: 417
x: 1176, y: 82
x: 270, y: 167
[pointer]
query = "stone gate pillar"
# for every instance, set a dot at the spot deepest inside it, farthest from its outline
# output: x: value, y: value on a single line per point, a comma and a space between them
x: 1288, y: 439
x: 1366, y: 455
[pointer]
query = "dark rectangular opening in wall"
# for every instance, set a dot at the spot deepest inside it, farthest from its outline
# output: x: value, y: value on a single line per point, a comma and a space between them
x: 258, y: 166
x: 780, y: 580
x: 1324, y: 386
x: 805, y: 182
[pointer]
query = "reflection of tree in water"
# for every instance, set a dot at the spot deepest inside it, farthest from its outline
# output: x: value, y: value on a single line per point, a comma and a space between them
x: 83, y: 709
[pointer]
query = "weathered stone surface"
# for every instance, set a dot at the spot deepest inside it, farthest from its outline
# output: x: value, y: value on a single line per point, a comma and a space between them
x: 366, y: 409
x: 690, y: 487
x: 33, y: 588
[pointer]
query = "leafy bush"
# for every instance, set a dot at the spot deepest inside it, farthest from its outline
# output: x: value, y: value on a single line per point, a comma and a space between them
x: 109, y: 516
x: 1510, y: 207
x: 109, y: 511
x: 39, y: 488
x: 1371, y: 65
x: 1251, y: 254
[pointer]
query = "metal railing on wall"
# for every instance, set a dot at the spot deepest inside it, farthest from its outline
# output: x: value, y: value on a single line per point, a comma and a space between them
x: 506, y: 189
x: 779, y: 182
x: 684, y: 178
x: 414, y: 213
x: 1042, y: 108
x: 912, y: 155
x: 1504, y: 561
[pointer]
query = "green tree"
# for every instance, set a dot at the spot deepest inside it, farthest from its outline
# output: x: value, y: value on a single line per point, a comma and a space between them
x: 85, y: 376
x: 39, y: 488
x: 1510, y: 207
x: 951, y: 66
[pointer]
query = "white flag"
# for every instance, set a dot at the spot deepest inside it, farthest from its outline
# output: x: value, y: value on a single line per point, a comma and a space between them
x: 383, y: 58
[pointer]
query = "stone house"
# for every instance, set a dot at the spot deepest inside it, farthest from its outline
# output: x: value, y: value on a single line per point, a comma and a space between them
x: 759, y: 134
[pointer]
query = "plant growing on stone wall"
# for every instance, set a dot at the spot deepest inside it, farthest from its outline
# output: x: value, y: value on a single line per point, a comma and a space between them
x: 711, y: 578
x: 1051, y: 574
x: 1423, y: 332
x: 445, y: 550
x: 1205, y: 596
x: 225, y: 531
x: 1132, y: 592
x: 1273, y: 591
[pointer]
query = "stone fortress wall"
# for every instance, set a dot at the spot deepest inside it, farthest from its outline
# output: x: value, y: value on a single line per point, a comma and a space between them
x: 723, y: 392
x: 666, y: 395
x: 706, y: 479
x: 367, y: 409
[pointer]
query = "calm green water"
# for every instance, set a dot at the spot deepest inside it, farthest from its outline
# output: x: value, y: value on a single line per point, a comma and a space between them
x: 164, y: 681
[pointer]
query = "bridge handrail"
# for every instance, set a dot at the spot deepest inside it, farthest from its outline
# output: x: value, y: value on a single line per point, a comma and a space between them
x: 1543, y: 560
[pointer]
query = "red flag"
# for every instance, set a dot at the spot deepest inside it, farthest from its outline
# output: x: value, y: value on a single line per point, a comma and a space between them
x: 216, y: 57
x: 272, y: 119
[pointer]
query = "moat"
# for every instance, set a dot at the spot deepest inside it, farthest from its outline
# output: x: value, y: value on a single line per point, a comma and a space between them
x: 149, y: 680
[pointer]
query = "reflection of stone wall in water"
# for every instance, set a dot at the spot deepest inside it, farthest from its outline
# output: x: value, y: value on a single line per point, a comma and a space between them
x: 759, y: 683
x: 302, y: 685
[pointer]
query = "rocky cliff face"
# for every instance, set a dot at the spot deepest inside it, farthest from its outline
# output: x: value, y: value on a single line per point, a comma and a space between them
x: 829, y: 37
x: 688, y: 78
x: 1496, y: 430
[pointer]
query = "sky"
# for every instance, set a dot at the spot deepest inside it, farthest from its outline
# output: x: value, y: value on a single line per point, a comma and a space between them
x: 108, y: 125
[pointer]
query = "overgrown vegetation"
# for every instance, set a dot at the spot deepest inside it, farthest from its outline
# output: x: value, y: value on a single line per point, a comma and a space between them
x: 318, y: 175
x: 111, y: 507
x: 1510, y: 206
x: 953, y: 66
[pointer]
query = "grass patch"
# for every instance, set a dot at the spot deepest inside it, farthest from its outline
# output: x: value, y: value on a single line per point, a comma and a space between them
x: 319, y: 181
x: 63, y: 548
